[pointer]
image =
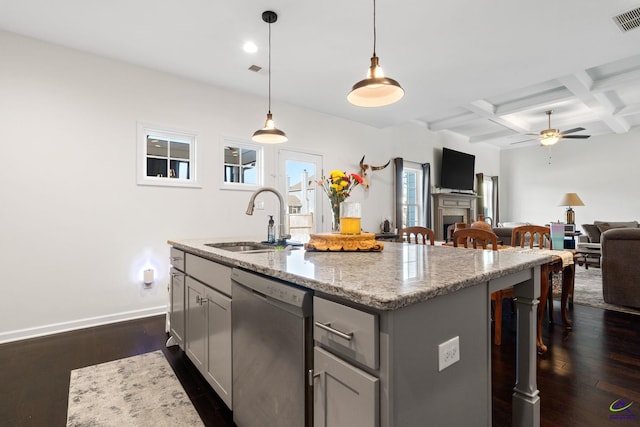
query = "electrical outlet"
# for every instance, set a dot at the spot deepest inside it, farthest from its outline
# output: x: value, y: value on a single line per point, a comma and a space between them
x: 259, y: 205
x: 448, y: 353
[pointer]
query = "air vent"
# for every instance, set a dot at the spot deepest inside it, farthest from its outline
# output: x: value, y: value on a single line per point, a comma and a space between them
x: 628, y: 20
x: 255, y: 68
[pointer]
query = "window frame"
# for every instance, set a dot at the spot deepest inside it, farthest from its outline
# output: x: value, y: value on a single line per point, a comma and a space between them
x: 259, y: 165
x: 165, y: 133
x: 419, y: 205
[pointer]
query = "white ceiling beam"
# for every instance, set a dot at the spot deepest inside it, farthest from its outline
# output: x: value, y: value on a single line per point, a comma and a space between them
x: 630, y: 78
x: 487, y: 110
x: 629, y: 110
x: 600, y: 103
x: 451, y: 121
x: 536, y: 101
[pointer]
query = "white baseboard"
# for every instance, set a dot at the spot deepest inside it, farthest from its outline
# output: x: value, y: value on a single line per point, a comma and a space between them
x: 56, y: 328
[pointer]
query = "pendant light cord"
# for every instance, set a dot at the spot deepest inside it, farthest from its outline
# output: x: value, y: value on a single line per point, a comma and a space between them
x: 374, y: 27
x: 269, y: 67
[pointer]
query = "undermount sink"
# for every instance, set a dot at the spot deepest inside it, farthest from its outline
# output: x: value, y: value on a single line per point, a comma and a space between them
x: 250, y: 247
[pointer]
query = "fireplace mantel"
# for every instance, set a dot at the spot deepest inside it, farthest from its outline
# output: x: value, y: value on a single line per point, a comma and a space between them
x: 452, y: 204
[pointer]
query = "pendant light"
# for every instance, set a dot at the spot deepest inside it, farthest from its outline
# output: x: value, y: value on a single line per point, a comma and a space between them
x: 376, y: 90
x: 269, y: 134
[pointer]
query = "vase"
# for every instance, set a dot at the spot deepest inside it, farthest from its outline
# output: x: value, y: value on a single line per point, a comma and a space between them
x: 335, y: 224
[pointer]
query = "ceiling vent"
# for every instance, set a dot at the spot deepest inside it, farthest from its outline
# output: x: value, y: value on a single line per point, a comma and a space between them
x: 255, y: 68
x: 628, y: 20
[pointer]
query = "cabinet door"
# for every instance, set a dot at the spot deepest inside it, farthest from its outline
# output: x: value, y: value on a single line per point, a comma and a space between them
x: 219, y: 345
x: 176, y: 311
x: 343, y: 395
x: 196, y: 332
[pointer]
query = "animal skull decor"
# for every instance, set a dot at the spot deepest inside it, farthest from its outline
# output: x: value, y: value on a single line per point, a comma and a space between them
x: 364, y: 171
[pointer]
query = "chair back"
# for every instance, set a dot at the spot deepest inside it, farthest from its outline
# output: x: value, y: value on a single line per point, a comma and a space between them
x: 537, y: 235
x: 419, y: 233
x: 475, y: 237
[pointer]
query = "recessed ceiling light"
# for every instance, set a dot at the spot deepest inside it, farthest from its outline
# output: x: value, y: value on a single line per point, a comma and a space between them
x: 250, y: 47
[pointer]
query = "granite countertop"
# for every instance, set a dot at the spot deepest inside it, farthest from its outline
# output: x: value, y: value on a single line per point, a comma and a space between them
x: 401, y: 275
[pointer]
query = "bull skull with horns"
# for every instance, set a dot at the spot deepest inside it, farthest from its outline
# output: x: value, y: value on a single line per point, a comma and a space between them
x: 364, y: 171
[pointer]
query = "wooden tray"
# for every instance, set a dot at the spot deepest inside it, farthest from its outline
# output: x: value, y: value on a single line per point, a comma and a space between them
x: 330, y: 242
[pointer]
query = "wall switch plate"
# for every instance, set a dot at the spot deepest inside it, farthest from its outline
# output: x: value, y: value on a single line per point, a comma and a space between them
x: 448, y: 353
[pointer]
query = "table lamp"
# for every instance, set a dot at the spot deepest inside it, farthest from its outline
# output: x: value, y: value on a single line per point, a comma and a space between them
x: 570, y: 199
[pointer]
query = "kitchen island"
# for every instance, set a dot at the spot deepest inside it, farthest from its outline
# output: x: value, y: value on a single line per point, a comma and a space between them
x: 421, y: 298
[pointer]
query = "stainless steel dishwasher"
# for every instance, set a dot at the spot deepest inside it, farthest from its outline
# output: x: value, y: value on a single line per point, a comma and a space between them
x: 272, y: 352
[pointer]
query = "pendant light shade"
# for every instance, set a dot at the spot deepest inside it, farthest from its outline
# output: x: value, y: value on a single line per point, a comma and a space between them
x: 376, y: 90
x: 269, y: 134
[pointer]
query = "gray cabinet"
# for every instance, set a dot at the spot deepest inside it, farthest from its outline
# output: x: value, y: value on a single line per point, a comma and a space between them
x: 176, y: 299
x: 343, y: 395
x: 177, y: 307
x: 200, y: 320
x: 346, y: 339
x: 208, y: 337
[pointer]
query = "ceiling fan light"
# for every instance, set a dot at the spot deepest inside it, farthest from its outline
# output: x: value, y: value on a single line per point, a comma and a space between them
x: 269, y: 134
x: 549, y: 140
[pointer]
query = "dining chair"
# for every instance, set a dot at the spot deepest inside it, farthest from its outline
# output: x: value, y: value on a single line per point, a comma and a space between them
x: 538, y: 235
x: 475, y: 237
x: 480, y: 239
x: 419, y: 233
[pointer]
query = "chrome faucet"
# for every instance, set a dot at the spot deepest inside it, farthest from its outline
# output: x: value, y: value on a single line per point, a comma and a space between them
x: 282, y: 238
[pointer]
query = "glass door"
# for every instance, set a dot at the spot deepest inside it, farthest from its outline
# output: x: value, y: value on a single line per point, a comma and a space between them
x: 298, y: 175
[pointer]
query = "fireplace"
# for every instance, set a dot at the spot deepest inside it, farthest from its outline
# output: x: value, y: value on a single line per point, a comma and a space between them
x: 449, y: 220
x: 451, y: 208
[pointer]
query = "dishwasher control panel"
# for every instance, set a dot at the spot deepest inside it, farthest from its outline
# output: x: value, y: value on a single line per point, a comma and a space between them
x: 281, y: 291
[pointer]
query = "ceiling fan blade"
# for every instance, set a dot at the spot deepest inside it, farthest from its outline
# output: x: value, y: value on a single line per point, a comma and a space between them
x: 520, y: 142
x: 571, y: 130
x: 575, y: 136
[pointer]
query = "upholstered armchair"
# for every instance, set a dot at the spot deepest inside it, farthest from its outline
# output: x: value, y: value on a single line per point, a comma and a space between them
x: 621, y: 266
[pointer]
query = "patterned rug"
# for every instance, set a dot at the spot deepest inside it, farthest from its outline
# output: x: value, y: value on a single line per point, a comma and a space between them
x: 137, y: 391
x: 587, y: 290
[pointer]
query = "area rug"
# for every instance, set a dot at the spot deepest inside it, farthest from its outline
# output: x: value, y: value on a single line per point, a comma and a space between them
x: 137, y: 391
x: 587, y: 290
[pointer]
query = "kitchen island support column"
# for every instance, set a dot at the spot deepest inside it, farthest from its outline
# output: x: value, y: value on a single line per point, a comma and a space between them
x: 525, y: 399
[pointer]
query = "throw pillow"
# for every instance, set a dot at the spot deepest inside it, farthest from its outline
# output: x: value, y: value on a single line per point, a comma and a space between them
x: 592, y: 232
x: 603, y: 228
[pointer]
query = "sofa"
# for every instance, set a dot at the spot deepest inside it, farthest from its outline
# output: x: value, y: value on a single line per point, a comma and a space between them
x: 620, y: 266
x: 592, y: 232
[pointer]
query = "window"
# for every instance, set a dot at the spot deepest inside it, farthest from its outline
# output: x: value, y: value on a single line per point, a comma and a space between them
x: 242, y: 165
x: 166, y: 157
x: 411, y: 197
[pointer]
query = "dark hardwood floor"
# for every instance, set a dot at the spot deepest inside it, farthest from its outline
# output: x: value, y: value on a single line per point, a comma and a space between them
x: 583, y: 372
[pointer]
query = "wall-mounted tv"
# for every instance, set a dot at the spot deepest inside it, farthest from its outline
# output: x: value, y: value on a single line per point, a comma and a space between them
x: 457, y: 170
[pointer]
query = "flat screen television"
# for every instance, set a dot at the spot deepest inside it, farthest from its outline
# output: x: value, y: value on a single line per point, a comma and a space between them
x: 457, y: 170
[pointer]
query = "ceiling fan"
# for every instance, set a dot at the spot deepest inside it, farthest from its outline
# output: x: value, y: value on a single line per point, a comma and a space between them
x: 551, y: 136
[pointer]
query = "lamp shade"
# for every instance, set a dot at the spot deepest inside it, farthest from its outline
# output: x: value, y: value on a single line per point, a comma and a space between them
x: 570, y: 199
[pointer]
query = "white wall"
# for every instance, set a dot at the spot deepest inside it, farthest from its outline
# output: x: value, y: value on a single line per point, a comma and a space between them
x: 602, y: 170
x: 77, y: 231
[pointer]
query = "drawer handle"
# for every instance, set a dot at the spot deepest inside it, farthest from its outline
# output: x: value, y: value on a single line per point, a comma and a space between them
x: 327, y: 327
x: 177, y: 275
x: 176, y: 258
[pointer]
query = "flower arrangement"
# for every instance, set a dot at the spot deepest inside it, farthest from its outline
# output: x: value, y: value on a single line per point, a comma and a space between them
x: 337, y: 186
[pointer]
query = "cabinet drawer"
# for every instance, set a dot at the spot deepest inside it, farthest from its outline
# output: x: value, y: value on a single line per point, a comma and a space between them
x: 211, y: 273
x: 346, y: 331
x: 176, y: 258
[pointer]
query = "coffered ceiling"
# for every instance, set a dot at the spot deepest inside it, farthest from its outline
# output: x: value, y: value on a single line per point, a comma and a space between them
x: 485, y: 70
